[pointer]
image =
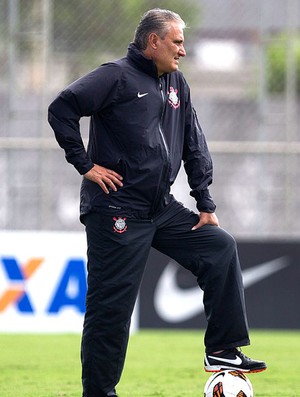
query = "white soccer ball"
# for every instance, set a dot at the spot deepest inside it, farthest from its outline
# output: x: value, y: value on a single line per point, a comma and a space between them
x: 228, y: 383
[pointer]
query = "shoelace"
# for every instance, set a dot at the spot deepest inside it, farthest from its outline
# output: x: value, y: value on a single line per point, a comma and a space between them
x: 238, y: 351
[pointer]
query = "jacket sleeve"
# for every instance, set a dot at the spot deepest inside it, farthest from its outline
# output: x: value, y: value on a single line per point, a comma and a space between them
x: 84, y: 97
x: 197, y: 160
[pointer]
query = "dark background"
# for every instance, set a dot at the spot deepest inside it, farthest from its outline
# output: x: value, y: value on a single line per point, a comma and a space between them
x: 272, y: 302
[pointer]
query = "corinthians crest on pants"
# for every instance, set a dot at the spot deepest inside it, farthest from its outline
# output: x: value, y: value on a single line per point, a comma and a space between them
x: 120, y: 225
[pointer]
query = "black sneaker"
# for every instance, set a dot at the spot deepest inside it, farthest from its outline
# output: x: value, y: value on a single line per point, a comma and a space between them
x: 232, y: 359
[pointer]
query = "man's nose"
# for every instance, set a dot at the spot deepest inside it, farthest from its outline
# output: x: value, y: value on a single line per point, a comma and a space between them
x: 182, y: 52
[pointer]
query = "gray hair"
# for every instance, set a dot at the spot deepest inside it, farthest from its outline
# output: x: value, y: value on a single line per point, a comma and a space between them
x: 156, y: 21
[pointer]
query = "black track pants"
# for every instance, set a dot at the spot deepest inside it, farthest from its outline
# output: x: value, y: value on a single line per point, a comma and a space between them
x: 118, y: 247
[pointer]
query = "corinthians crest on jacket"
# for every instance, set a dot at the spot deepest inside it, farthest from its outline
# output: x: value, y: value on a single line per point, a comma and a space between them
x: 173, y: 98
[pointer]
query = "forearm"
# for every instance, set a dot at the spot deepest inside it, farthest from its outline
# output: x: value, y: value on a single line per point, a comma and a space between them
x: 64, y: 120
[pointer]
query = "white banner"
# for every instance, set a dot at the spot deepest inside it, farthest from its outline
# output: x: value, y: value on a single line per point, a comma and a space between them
x: 43, y: 282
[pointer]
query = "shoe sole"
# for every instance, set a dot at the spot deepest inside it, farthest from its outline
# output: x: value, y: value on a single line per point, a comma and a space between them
x: 219, y: 368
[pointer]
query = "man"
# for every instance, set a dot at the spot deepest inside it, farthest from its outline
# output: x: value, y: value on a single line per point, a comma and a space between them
x: 142, y: 127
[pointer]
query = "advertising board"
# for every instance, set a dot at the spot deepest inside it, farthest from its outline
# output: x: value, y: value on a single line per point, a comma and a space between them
x: 43, y: 285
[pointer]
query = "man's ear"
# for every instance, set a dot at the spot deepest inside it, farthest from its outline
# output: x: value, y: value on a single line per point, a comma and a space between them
x: 153, y: 39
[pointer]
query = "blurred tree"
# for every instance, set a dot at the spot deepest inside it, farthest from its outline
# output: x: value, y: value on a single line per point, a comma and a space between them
x: 277, y: 65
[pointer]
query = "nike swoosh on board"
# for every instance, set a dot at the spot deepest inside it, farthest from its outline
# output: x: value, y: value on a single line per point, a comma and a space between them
x: 174, y: 304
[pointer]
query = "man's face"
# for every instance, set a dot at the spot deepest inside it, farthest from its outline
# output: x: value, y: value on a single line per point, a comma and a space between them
x: 169, y: 50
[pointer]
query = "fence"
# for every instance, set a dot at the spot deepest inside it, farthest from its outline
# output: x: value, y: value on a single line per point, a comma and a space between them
x: 243, y: 66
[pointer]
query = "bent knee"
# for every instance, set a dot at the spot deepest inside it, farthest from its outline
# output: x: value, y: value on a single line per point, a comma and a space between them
x: 225, y: 241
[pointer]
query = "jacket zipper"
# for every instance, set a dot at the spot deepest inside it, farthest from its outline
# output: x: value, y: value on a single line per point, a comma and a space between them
x: 161, y: 117
x: 161, y: 190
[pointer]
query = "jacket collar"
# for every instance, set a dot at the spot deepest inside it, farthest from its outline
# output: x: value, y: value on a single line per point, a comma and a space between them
x: 136, y: 57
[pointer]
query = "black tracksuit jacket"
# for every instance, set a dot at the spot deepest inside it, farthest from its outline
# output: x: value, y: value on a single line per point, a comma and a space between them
x: 142, y: 127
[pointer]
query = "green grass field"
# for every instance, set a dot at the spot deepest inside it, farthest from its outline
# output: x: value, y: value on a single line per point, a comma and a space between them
x: 159, y: 364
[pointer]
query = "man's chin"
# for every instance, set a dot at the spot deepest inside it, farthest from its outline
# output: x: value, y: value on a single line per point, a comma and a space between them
x: 172, y: 68
x: 175, y: 68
